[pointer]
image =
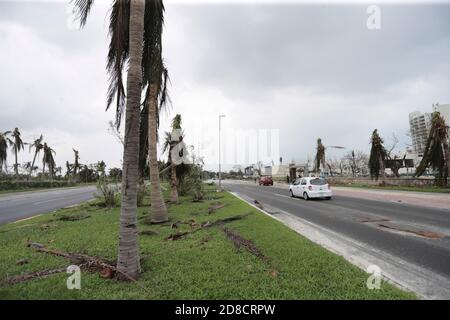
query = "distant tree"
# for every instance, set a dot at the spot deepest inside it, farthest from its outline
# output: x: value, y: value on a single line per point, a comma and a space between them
x: 88, y: 173
x: 320, y: 156
x: 38, y: 146
x: 115, y: 174
x: 357, y: 161
x: 101, y: 167
x: 377, y: 157
x: 17, y: 145
x: 436, y: 152
x: 4, y: 140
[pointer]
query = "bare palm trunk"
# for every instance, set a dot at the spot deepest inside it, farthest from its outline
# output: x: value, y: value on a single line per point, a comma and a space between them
x: 16, y: 166
x: 128, y: 256
x: 382, y: 168
x: 32, y: 164
x: 446, y: 153
x: 173, y: 183
x: 158, y: 206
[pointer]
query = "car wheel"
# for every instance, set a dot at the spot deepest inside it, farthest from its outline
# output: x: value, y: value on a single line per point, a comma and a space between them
x: 305, y: 196
x: 291, y: 193
x: 328, y: 198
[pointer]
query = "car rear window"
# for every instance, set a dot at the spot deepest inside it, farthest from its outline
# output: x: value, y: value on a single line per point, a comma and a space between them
x: 318, y: 182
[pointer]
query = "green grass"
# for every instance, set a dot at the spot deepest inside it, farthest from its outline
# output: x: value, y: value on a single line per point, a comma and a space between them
x: 399, y: 188
x: 204, y: 265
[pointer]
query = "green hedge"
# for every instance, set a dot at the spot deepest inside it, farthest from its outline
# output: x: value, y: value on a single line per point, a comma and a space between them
x: 19, y: 185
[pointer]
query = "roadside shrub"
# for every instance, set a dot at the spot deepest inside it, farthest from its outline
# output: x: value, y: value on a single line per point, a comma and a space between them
x: 191, y: 182
x: 108, y: 193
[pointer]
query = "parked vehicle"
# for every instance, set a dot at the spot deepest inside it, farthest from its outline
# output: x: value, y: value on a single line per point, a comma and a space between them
x: 310, y: 187
x: 266, y: 181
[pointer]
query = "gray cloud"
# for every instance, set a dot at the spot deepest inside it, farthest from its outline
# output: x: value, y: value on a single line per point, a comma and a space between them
x: 309, y: 71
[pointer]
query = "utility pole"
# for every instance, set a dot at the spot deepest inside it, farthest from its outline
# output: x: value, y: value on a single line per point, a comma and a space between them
x: 220, y: 166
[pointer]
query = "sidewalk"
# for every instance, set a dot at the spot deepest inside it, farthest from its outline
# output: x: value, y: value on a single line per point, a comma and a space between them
x: 425, y: 199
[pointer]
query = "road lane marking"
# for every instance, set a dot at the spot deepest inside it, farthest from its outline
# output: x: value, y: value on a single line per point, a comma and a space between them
x: 282, y: 195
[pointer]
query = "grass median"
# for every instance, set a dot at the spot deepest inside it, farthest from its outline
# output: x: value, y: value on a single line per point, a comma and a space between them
x: 273, y: 262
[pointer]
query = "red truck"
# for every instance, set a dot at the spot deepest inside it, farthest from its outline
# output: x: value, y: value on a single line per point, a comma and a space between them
x: 266, y: 181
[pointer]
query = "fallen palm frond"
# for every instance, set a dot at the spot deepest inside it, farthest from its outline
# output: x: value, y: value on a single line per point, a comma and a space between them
x: 196, y: 226
x: 73, y: 217
x: 216, y: 206
x: 85, y: 262
x: 34, y: 275
x: 239, y: 242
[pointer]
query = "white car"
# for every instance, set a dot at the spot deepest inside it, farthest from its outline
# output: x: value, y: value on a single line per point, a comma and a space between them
x: 310, y: 187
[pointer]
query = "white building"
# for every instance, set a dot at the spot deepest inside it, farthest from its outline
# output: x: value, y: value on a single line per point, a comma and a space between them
x: 419, y: 126
x: 444, y: 110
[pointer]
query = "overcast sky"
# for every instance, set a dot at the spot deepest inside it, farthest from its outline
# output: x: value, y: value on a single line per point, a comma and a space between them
x: 307, y: 71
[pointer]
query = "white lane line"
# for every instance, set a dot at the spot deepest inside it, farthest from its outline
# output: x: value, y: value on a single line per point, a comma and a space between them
x: 44, y: 201
x: 282, y: 195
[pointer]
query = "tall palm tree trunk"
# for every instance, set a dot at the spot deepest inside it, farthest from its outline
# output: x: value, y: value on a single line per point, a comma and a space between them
x: 446, y: 153
x: 158, y: 206
x: 382, y: 168
x: 16, y: 165
x: 173, y: 182
x: 32, y: 164
x: 128, y: 256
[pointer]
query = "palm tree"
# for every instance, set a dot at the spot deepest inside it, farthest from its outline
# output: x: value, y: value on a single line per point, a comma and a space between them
x: 68, y: 169
x: 38, y: 146
x: 171, y: 140
x: 17, y: 145
x: 4, y: 140
x: 377, y: 157
x: 436, y: 152
x: 156, y: 79
x: 320, y: 155
x: 48, y: 159
x: 158, y: 206
x: 132, y: 34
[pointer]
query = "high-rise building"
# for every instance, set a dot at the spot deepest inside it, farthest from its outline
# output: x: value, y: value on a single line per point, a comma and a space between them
x: 419, y: 126
x: 444, y: 110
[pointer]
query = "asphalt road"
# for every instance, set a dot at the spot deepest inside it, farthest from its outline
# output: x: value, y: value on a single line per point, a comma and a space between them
x: 21, y: 205
x: 349, y: 217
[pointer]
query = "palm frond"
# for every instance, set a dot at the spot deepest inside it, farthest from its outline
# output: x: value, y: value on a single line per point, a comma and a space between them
x: 82, y: 9
x: 118, y: 55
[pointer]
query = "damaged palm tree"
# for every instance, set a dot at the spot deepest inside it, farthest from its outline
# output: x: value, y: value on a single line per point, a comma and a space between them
x: 76, y: 164
x: 436, y: 153
x: 48, y: 159
x: 377, y: 157
x: 133, y: 36
x: 320, y: 156
x: 171, y: 141
x: 38, y: 146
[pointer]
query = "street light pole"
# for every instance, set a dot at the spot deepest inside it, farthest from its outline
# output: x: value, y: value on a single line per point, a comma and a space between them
x: 220, y: 167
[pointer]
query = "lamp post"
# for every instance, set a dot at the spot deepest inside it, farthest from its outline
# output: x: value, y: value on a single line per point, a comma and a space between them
x: 220, y: 167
